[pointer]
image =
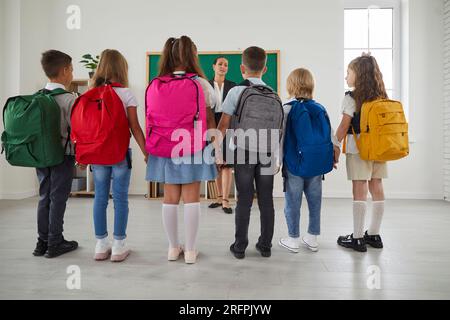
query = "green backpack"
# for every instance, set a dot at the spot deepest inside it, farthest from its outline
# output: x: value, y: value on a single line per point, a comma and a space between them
x: 32, y: 136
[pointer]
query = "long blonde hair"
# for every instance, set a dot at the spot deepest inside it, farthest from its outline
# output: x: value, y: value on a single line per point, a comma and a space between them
x: 112, y: 67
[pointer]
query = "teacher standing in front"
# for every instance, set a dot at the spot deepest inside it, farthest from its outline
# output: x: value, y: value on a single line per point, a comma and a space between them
x: 224, y: 178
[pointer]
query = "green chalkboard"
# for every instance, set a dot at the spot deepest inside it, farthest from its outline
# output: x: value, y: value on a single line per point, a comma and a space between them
x: 271, y: 78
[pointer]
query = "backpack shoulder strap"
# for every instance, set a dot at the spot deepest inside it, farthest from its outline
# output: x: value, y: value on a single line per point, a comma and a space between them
x: 248, y: 85
x: 53, y: 93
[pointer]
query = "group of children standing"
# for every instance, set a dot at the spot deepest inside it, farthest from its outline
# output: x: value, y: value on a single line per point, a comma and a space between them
x: 179, y: 61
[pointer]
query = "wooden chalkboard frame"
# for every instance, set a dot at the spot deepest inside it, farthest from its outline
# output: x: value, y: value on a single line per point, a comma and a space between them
x: 277, y: 52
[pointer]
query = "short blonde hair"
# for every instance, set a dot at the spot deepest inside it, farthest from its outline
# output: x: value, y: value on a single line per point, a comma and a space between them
x: 300, y: 84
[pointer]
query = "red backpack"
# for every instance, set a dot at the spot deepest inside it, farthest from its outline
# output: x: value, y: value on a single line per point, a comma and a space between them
x: 100, y: 130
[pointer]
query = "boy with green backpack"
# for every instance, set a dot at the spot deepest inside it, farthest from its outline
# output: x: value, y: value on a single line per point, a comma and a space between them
x: 37, y: 134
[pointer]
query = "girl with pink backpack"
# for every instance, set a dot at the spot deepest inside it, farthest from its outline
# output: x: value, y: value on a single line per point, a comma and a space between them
x: 178, y: 109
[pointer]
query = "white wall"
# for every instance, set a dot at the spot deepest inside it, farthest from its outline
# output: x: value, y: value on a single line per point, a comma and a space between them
x: 420, y: 175
x: 308, y: 33
x: 16, y: 183
x: 446, y: 113
x: 2, y: 55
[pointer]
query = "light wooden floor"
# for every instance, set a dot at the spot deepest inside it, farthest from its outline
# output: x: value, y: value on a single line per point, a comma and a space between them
x: 415, y: 263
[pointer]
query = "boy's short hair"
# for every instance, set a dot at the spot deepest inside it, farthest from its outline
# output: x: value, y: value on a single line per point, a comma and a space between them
x: 254, y: 59
x: 53, y: 61
x: 300, y: 84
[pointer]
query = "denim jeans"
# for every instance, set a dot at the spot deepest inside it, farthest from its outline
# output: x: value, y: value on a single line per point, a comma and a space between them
x: 54, y: 190
x: 246, y: 175
x: 120, y: 174
x: 295, y: 186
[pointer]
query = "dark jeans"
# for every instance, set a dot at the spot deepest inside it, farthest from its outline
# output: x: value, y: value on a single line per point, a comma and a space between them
x: 55, y: 184
x: 246, y: 175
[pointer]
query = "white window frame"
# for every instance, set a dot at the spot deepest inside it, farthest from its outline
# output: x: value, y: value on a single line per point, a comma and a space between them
x: 396, y: 36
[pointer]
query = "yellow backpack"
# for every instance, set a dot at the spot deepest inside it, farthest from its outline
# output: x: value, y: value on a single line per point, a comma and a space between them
x: 384, y: 131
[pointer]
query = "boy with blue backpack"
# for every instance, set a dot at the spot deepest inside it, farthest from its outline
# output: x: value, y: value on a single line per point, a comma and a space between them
x: 308, y: 154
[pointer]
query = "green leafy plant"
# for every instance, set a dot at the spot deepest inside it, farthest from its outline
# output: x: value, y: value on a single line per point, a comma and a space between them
x: 90, y: 62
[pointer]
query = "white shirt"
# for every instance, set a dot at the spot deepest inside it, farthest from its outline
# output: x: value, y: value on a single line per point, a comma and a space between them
x: 127, y: 97
x: 219, y: 96
x: 349, y: 108
x: 65, y: 103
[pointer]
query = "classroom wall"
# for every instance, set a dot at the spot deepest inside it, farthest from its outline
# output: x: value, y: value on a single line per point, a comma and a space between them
x: 17, y: 183
x: 2, y: 48
x: 134, y: 28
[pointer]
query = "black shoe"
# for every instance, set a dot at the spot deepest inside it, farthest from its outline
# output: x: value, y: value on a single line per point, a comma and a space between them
x: 227, y: 210
x: 350, y: 242
x: 60, y: 249
x: 237, y: 255
x: 373, y: 241
x: 41, y: 248
x: 216, y: 204
x: 266, y: 253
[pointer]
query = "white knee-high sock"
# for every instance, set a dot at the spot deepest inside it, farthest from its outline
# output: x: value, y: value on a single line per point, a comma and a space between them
x: 170, y: 221
x: 377, y: 217
x: 359, y: 218
x: 191, y: 223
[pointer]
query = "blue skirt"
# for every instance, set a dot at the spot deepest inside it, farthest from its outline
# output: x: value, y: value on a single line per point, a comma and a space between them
x: 185, y: 170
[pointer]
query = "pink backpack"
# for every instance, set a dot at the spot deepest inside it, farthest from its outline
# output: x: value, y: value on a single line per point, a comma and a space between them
x: 171, y: 103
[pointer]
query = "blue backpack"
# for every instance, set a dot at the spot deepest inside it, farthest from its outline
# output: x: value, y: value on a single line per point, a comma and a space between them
x: 308, y: 150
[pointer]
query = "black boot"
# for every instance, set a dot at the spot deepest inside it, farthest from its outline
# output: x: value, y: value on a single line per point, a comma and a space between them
x: 61, y: 248
x: 350, y: 242
x: 265, y: 252
x: 237, y: 255
x: 41, y: 248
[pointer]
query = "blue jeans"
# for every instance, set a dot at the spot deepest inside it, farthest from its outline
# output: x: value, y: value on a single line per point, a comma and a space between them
x: 295, y: 186
x: 120, y: 174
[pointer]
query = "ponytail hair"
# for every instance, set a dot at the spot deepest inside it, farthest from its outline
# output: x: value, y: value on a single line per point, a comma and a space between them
x: 180, y: 53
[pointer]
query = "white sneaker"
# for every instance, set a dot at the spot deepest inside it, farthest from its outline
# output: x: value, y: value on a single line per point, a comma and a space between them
x: 310, y: 242
x: 292, y: 244
x: 119, y: 251
x: 102, y: 250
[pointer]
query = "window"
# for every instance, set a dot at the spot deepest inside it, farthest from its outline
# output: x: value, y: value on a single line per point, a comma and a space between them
x: 372, y: 29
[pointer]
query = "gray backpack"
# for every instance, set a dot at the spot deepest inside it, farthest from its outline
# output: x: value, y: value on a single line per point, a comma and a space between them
x: 258, y: 108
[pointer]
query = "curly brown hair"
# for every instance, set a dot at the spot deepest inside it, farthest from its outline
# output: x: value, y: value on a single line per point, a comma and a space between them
x: 369, y: 85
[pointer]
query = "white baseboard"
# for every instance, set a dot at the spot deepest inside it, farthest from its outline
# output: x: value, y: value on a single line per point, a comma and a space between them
x: 329, y: 195
x: 394, y: 195
x: 19, y: 195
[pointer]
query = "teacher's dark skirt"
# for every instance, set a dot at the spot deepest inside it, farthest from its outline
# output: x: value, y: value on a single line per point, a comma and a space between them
x: 225, y: 142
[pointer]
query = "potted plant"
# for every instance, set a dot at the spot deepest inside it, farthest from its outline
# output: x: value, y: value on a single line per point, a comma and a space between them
x: 90, y: 63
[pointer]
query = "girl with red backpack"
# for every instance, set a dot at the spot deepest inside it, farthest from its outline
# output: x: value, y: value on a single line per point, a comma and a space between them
x: 102, y: 120
x: 178, y: 102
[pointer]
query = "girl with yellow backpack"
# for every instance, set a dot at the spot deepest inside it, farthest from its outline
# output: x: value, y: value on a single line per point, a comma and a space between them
x: 374, y: 130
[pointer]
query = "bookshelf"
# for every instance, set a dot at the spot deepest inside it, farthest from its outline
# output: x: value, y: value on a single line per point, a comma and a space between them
x: 83, y: 182
x: 155, y: 190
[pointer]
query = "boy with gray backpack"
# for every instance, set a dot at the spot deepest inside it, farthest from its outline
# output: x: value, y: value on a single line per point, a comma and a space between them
x: 255, y: 113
